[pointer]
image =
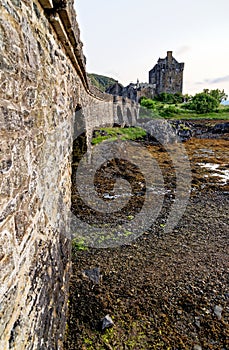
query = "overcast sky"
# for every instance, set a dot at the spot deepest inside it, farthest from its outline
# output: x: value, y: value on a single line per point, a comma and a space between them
x: 124, y: 39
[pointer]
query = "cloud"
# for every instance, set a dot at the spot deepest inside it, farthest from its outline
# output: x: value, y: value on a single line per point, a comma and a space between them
x: 218, y: 80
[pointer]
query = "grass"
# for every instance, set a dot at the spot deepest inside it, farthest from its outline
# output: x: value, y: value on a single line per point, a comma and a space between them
x: 192, y: 115
x: 132, y: 133
x: 172, y: 111
x: 78, y: 245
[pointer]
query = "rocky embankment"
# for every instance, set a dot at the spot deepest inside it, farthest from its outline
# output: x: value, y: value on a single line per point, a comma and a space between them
x: 184, y: 130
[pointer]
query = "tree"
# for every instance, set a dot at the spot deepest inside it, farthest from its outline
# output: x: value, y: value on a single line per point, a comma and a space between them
x: 203, y: 103
x: 217, y: 94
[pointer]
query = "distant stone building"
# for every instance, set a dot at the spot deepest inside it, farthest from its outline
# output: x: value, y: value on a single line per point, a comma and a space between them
x: 116, y: 89
x: 167, y: 75
x: 133, y: 91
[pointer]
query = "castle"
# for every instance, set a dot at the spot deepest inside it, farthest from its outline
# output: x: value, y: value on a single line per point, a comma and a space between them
x: 165, y: 76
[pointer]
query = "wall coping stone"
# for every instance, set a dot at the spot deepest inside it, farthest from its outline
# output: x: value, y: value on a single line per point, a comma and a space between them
x: 58, y: 13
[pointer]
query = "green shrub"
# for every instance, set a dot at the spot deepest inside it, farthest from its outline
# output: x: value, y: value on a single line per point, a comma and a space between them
x: 169, y: 111
x: 203, y: 103
x: 170, y: 98
x: 147, y: 103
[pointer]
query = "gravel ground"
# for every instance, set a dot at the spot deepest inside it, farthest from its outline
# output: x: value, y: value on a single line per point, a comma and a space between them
x: 164, y: 290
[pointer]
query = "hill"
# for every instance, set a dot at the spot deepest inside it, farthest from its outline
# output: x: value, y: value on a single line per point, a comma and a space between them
x: 100, y: 81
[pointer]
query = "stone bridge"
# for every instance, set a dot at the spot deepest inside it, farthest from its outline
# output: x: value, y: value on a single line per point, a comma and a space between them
x: 45, y: 102
x: 126, y: 111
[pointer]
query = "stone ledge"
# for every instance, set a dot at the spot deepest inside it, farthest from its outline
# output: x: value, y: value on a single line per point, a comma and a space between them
x: 62, y: 17
x: 59, y: 15
x: 46, y: 4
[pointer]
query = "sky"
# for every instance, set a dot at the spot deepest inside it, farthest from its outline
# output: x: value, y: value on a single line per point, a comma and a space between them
x: 123, y: 39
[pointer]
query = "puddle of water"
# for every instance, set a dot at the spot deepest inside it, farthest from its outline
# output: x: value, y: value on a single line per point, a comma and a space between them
x: 207, y: 150
x: 204, y: 152
x: 109, y: 196
x: 159, y: 191
x: 222, y: 174
x: 210, y: 166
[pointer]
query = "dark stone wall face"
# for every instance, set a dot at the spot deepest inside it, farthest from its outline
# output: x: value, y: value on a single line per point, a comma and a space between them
x: 39, y: 91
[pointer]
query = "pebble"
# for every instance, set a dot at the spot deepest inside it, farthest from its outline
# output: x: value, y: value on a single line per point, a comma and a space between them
x: 197, y: 322
x: 107, y: 322
x: 93, y: 274
x: 218, y: 311
x: 197, y: 347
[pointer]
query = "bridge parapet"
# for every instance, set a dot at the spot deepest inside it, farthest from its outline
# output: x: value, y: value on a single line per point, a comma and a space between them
x: 61, y: 15
x: 125, y: 111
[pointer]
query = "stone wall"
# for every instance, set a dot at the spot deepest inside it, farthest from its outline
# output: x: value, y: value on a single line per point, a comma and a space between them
x: 43, y: 85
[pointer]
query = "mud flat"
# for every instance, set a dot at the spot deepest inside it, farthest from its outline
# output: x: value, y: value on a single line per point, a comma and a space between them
x: 163, y: 290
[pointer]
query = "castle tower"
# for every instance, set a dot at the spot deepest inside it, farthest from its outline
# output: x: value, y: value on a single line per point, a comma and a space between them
x: 167, y: 75
x: 169, y: 57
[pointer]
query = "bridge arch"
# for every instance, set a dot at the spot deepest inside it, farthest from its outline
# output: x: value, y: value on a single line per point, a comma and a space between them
x: 79, y: 137
x: 120, y: 115
x: 129, y: 116
x: 135, y: 114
